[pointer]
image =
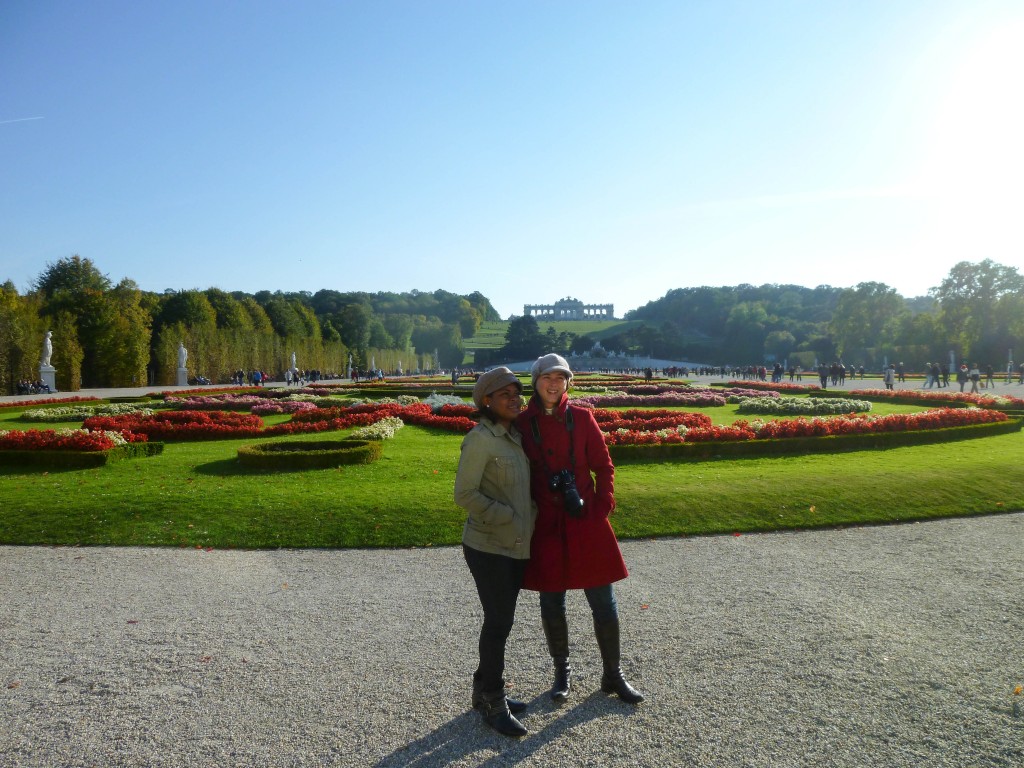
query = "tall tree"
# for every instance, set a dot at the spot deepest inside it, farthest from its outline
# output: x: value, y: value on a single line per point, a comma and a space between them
x: 65, y: 279
x: 354, y: 327
x: 74, y: 285
x: 862, y: 317
x: 523, y: 339
x: 969, y: 301
x: 67, y: 351
x: 122, y: 342
x: 14, y: 338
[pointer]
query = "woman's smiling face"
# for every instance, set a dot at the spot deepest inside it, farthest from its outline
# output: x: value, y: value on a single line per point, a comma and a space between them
x: 550, y: 388
x: 505, y: 403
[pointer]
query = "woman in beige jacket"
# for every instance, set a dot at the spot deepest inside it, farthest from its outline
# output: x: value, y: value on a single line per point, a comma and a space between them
x: 493, y: 486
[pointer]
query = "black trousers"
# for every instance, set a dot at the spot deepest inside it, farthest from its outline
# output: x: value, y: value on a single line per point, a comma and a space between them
x: 498, y: 581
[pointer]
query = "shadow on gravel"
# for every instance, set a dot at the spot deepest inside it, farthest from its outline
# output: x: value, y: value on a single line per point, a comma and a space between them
x: 467, y: 735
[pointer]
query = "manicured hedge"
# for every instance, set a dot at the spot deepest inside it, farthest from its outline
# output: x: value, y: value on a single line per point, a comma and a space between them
x: 308, y: 454
x: 79, y: 459
x: 830, y: 444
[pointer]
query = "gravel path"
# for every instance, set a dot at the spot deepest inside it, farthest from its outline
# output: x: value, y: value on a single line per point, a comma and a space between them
x: 890, y: 646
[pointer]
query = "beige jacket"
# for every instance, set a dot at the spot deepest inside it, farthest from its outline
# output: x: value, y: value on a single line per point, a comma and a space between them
x: 493, y: 486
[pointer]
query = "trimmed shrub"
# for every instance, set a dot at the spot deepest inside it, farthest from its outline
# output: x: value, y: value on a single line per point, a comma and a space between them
x: 79, y: 459
x: 308, y: 454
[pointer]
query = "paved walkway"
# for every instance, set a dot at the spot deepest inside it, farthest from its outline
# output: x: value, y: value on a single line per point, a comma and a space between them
x: 893, y: 646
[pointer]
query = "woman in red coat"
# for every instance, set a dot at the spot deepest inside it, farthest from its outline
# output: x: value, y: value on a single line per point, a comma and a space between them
x: 573, y: 545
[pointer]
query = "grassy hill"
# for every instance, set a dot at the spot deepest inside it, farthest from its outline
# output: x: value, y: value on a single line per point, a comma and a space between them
x: 492, y: 335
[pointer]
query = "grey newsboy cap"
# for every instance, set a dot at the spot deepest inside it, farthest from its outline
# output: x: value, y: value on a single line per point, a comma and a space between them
x: 491, y: 382
x: 547, y: 364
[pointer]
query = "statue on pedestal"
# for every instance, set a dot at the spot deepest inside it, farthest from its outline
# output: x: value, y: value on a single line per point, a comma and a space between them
x: 47, y: 350
x: 182, y: 354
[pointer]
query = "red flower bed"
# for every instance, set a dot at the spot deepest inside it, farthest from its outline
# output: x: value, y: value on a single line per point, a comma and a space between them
x: 982, y: 401
x: 864, y: 423
x: 457, y: 410
x: 696, y: 435
x: 437, y: 421
x: 451, y: 417
x: 64, y: 440
x: 183, y: 425
x: 649, y: 420
x: 645, y: 431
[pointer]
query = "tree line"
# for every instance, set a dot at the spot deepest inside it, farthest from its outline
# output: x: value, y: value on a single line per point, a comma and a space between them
x: 977, y: 312
x: 107, y: 335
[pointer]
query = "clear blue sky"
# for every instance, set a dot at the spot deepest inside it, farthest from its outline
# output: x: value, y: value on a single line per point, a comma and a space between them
x: 608, y: 151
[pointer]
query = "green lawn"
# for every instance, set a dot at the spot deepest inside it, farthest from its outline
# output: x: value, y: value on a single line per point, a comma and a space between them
x: 492, y: 334
x: 196, y: 494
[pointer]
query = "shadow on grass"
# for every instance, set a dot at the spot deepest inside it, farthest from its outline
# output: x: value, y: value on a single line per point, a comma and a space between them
x: 233, y: 468
x: 39, y: 469
x: 467, y: 734
x: 225, y: 468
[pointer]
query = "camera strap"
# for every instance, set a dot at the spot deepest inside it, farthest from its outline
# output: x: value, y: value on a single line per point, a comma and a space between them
x: 535, y: 428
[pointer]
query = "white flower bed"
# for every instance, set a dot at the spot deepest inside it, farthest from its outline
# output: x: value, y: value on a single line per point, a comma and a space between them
x: 382, y: 430
x: 437, y: 402
x: 80, y: 412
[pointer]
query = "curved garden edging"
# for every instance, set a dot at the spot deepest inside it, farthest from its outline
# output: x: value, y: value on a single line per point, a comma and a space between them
x: 308, y: 454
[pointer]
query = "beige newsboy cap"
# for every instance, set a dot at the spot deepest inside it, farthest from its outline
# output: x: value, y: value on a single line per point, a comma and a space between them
x: 547, y: 364
x: 491, y: 382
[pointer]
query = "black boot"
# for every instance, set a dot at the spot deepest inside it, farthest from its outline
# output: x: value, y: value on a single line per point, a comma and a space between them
x: 494, y: 711
x: 557, y: 633
x: 612, y: 681
x: 514, y: 706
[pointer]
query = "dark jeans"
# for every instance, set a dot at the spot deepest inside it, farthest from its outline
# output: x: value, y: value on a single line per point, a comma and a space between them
x: 601, y: 599
x: 498, y: 580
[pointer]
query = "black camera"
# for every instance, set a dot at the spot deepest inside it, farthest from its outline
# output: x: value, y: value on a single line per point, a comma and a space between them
x: 565, y: 482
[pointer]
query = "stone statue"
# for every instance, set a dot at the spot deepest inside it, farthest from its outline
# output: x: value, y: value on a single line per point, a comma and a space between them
x: 47, y: 349
x: 182, y: 354
x: 294, y: 366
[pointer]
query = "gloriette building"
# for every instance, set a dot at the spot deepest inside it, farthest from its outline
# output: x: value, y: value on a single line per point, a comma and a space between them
x: 570, y: 309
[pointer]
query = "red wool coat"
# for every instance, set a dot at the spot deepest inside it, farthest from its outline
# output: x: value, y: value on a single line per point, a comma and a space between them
x: 570, y: 553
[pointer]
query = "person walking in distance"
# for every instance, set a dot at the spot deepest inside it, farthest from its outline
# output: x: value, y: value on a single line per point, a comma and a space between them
x: 574, y: 546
